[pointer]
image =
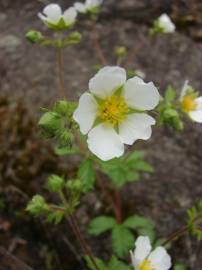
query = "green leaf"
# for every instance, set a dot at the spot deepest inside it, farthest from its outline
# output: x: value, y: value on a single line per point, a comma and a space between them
x: 136, y: 222
x: 170, y: 94
x: 115, y: 264
x: 62, y: 151
x: 122, y: 240
x: 55, y: 217
x: 126, y: 169
x: 101, y: 224
x: 98, y: 261
x: 179, y: 267
x: 86, y: 174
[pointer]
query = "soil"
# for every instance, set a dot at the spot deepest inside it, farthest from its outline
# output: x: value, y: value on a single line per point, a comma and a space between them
x: 27, y: 83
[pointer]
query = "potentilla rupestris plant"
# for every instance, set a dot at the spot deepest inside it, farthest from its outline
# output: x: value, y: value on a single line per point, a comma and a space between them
x: 114, y: 112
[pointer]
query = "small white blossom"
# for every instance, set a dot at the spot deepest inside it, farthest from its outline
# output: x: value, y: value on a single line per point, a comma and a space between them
x: 165, y: 23
x: 113, y: 113
x: 191, y: 103
x: 88, y: 6
x: 53, y: 16
x: 143, y: 258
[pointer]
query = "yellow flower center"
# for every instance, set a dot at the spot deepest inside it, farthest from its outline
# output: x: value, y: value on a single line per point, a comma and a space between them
x: 146, y: 265
x: 188, y: 103
x: 113, y: 110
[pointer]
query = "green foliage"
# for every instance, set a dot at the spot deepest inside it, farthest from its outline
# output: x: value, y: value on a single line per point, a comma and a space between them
x: 113, y: 264
x: 55, y: 216
x: 195, y: 220
x: 179, y: 267
x: 122, y: 237
x: 55, y: 183
x: 75, y: 186
x: 126, y: 169
x: 101, y: 224
x: 34, y: 36
x: 86, y: 174
x: 122, y: 240
x: 143, y: 226
x: 57, y: 123
x: 168, y: 110
x: 37, y: 206
x: 121, y: 52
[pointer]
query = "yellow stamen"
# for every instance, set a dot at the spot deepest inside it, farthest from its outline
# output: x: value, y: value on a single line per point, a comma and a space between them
x: 188, y: 103
x: 113, y: 110
x: 146, y: 265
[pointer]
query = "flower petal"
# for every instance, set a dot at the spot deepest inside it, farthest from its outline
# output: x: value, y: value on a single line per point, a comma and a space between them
x: 184, y: 89
x: 104, y: 142
x: 140, y: 95
x: 136, y: 126
x: 53, y: 13
x: 80, y: 7
x: 69, y: 15
x: 93, y: 3
x: 142, y: 250
x: 85, y: 114
x: 160, y: 259
x: 107, y: 80
x: 199, y: 103
x: 196, y: 116
x: 166, y: 23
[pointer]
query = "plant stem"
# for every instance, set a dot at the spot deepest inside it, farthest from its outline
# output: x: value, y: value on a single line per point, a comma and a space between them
x: 115, y: 204
x: 73, y: 224
x: 117, y: 209
x: 60, y: 74
x: 97, y: 47
x: 175, y: 235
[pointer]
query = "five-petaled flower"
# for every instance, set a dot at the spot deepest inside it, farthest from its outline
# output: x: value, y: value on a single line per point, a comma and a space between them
x: 112, y: 113
x: 88, y: 6
x: 191, y: 103
x: 165, y: 24
x: 143, y: 258
x: 54, y: 18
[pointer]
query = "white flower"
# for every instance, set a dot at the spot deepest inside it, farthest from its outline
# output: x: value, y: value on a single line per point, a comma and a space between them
x: 112, y: 112
x: 165, y: 23
x: 52, y: 15
x: 143, y: 258
x: 191, y: 103
x: 88, y: 6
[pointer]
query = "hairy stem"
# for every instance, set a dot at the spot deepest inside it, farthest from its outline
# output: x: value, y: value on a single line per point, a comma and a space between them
x: 61, y: 74
x: 97, y: 46
x: 175, y: 235
x: 118, y: 210
x: 75, y: 228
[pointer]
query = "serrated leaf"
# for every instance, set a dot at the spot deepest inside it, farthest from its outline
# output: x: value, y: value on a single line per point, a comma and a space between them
x: 141, y: 165
x: 99, y: 262
x: 170, y: 94
x: 122, y: 240
x: 101, y: 224
x: 137, y: 222
x: 61, y: 151
x: 86, y: 174
x: 115, y: 264
x: 179, y: 267
x: 55, y: 217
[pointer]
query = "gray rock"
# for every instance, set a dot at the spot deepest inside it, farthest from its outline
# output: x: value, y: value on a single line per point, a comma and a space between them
x: 10, y: 43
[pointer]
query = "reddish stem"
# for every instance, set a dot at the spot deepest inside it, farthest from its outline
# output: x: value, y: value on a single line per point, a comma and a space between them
x: 97, y: 46
x: 175, y: 235
x: 60, y: 74
x: 117, y: 209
